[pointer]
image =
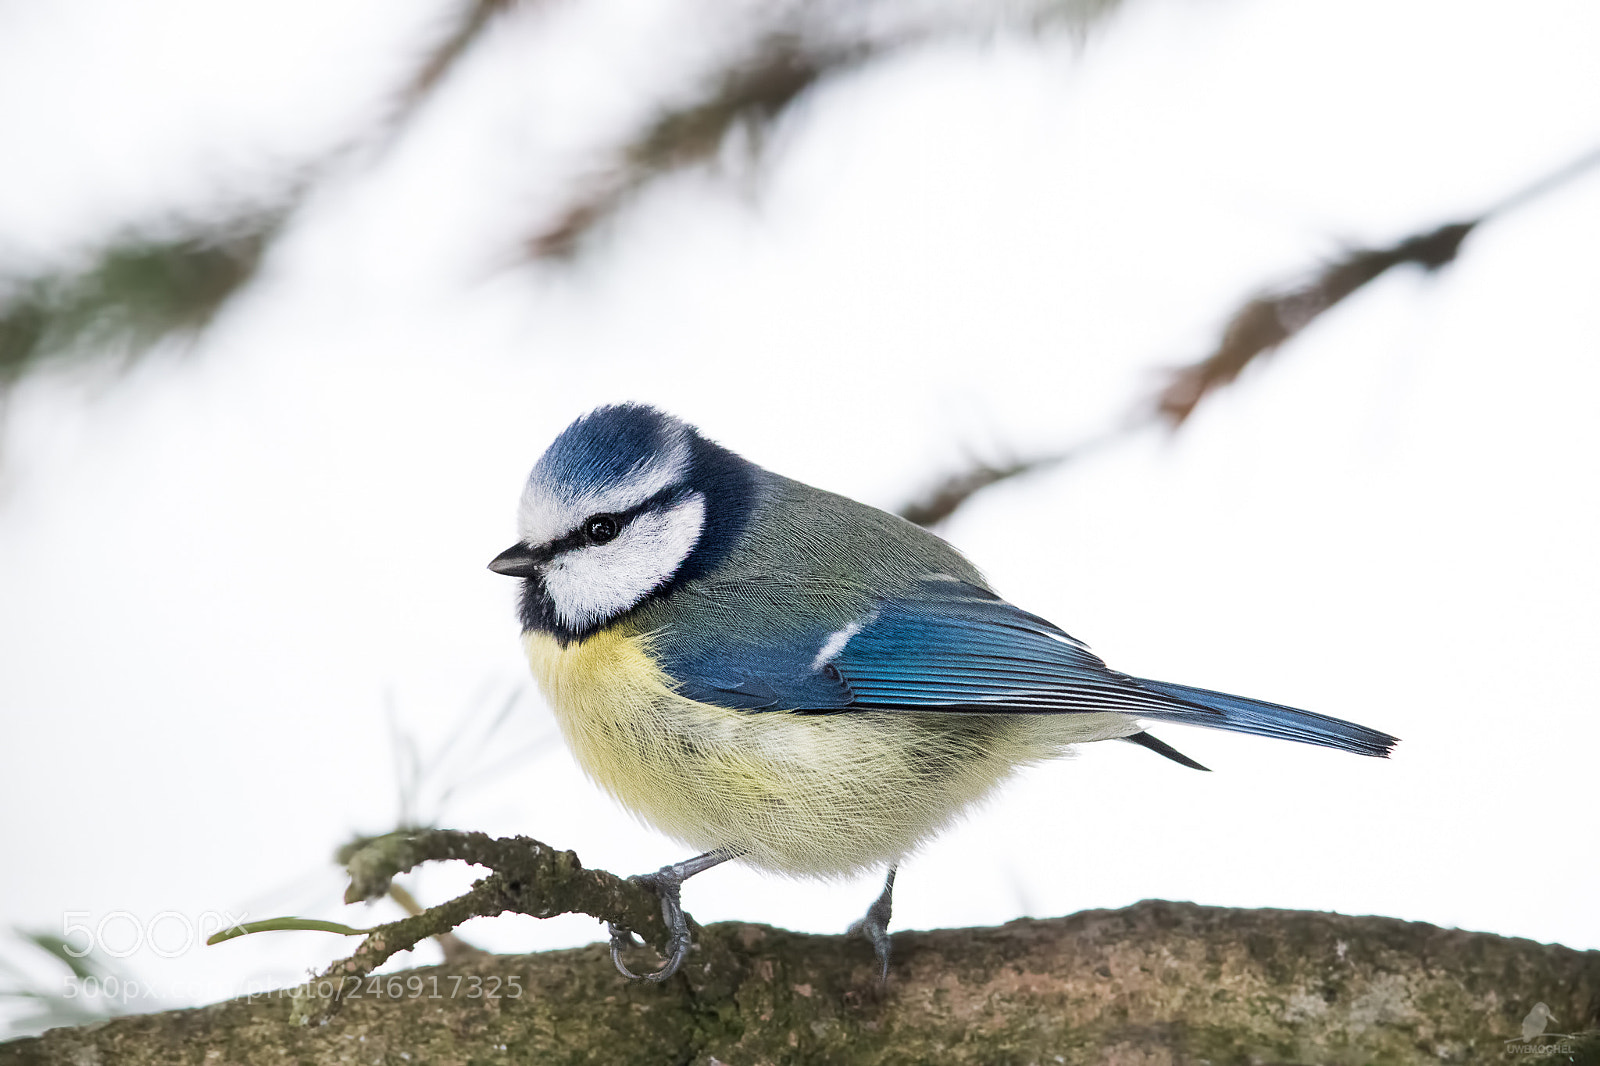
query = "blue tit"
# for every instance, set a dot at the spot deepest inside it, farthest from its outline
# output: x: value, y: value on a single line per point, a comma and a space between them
x: 769, y: 672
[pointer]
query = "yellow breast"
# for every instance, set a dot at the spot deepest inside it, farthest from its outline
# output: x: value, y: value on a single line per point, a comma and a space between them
x: 813, y: 794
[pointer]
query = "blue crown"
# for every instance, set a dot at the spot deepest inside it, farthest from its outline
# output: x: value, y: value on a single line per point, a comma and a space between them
x: 608, y: 445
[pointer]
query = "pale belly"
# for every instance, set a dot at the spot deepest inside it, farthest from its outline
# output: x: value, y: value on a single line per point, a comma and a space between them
x: 820, y: 795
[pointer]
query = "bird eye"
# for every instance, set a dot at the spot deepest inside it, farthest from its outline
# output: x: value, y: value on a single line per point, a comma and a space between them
x: 601, y: 528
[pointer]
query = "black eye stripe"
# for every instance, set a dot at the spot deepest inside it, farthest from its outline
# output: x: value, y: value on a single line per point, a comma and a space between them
x: 580, y: 538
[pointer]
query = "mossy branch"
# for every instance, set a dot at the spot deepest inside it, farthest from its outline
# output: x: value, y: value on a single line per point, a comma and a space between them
x: 1155, y: 983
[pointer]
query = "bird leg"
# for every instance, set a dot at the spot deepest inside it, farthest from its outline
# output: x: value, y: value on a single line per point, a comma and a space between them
x: 667, y: 883
x: 874, y: 925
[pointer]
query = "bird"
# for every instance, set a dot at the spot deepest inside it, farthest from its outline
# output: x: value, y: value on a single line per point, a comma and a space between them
x: 1533, y: 1025
x: 776, y: 674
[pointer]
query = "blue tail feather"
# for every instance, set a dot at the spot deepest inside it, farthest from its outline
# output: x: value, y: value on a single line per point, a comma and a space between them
x: 1240, y: 714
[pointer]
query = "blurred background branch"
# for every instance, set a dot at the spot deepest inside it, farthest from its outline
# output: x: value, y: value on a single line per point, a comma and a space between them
x: 170, y: 279
x: 1263, y: 323
x: 749, y: 96
x: 465, y: 28
x: 141, y: 288
x: 1266, y: 322
x: 1260, y: 326
x: 69, y: 988
x: 772, y: 77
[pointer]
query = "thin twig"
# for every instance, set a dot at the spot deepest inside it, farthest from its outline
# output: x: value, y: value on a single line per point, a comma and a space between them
x: 454, y: 947
x: 528, y: 877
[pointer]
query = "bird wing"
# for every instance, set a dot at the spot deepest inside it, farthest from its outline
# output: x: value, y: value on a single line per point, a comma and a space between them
x: 944, y: 645
x: 947, y: 646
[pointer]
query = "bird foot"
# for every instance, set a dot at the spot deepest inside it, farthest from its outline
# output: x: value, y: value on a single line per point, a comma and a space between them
x: 667, y: 883
x: 669, y: 889
x: 874, y: 925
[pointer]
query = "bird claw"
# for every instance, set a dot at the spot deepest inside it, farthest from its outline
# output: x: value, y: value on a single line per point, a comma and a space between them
x: 669, y: 890
x: 625, y: 938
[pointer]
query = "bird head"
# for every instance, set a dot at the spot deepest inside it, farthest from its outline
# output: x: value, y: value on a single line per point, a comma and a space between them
x: 626, y: 504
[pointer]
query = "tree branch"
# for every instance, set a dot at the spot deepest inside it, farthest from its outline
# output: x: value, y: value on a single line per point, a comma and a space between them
x: 1153, y: 983
x: 528, y: 877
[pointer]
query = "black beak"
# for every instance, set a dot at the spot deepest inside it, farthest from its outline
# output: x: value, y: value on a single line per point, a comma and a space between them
x: 515, y: 561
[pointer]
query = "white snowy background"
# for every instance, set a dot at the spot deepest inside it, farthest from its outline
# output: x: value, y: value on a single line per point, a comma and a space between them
x: 226, y: 572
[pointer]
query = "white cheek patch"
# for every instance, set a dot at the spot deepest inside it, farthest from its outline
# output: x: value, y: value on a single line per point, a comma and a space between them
x: 591, y: 584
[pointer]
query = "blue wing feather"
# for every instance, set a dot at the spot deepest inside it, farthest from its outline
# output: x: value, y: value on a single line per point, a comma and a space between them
x: 747, y: 676
x: 953, y: 647
x: 949, y: 646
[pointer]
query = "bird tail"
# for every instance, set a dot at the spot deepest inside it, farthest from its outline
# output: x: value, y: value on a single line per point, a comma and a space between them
x: 1239, y: 714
